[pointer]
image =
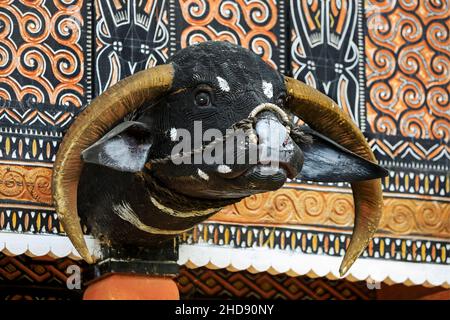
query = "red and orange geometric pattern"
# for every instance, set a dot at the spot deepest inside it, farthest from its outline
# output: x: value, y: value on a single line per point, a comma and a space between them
x: 203, y: 283
x: 25, y: 278
x: 44, y: 278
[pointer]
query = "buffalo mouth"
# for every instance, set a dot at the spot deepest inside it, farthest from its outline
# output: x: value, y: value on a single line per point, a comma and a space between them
x: 265, y: 171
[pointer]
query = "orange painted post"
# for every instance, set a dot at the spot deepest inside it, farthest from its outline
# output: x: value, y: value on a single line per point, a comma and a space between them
x: 132, y: 287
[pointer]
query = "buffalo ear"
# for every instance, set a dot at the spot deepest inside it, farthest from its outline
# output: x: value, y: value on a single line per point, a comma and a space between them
x: 327, y: 161
x: 124, y: 148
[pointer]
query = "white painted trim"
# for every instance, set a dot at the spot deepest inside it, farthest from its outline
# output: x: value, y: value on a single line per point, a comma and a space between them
x: 274, y: 261
x: 295, y: 263
x: 36, y: 245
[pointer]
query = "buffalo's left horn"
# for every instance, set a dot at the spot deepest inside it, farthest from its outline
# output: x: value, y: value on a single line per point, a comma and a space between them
x: 92, y: 124
x: 324, y: 115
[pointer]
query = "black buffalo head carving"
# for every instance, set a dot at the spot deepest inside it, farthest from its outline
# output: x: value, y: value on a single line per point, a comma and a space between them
x: 148, y: 159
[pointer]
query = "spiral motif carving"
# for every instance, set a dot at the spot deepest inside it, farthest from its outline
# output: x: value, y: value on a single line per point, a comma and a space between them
x: 41, y: 57
x: 340, y: 207
x: 402, y: 218
x: 253, y: 205
x: 31, y: 184
x: 13, y: 183
x: 408, y: 67
x: 247, y: 23
x: 313, y: 204
x: 431, y: 217
x: 323, y: 208
x: 284, y: 207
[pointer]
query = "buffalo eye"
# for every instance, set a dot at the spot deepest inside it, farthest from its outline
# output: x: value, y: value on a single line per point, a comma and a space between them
x: 202, y: 99
x: 281, y: 100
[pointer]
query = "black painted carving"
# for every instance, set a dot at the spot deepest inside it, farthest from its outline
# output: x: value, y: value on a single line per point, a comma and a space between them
x: 132, y: 193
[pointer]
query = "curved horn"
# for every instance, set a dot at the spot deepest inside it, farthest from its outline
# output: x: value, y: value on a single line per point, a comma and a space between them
x: 324, y: 115
x: 94, y: 122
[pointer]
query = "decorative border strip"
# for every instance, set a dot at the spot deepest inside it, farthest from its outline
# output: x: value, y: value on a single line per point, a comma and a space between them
x: 294, y: 205
x: 55, y: 246
x: 31, y: 145
x: 282, y: 23
x: 401, y: 184
x: 309, y: 241
x: 418, y: 183
x: 294, y: 264
x: 410, y: 153
x: 362, y: 66
x: 424, y: 183
x: 32, y: 221
x: 331, y: 208
x: 172, y: 27
x: 297, y: 240
x: 251, y: 259
x: 25, y: 146
x: 90, y: 51
x: 204, y: 283
x: 42, y: 117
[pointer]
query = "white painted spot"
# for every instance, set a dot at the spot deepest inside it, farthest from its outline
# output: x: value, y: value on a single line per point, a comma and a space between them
x: 118, y: 153
x: 268, y: 89
x: 202, y: 175
x: 223, y: 168
x: 173, y: 134
x: 223, y: 84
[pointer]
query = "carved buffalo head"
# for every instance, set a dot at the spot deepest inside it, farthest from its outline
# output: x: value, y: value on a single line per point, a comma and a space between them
x: 138, y: 152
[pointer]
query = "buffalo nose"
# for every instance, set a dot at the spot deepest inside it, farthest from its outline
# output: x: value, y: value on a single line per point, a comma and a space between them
x: 271, y: 135
x: 275, y: 146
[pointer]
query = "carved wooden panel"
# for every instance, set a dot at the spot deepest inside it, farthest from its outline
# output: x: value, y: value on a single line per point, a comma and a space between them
x: 333, y: 209
x: 387, y: 64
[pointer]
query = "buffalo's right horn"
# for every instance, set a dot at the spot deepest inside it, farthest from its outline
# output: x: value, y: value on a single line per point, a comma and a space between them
x: 324, y: 115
